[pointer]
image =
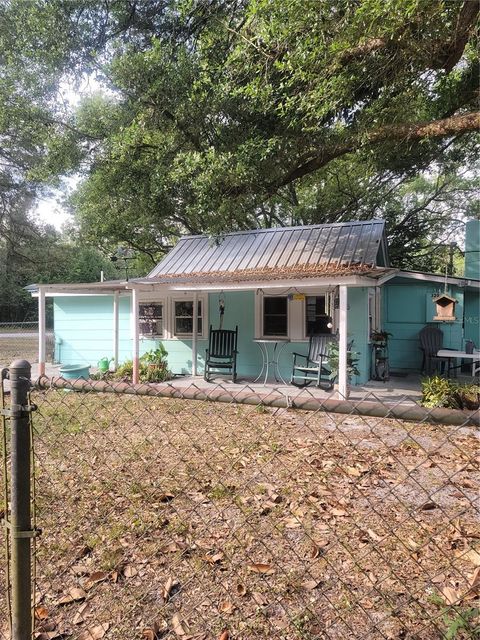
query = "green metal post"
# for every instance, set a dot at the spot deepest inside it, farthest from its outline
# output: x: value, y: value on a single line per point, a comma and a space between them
x: 20, y: 518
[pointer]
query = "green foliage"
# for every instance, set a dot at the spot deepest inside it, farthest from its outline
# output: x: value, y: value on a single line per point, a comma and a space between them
x: 333, y: 360
x: 238, y: 114
x: 31, y: 253
x: 443, y: 392
x: 153, y: 367
x: 460, y: 621
x: 155, y: 356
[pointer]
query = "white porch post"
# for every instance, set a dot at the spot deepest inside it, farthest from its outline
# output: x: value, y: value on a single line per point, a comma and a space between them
x: 41, y: 332
x: 115, y: 328
x: 135, y: 336
x: 194, y: 334
x: 342, y: 345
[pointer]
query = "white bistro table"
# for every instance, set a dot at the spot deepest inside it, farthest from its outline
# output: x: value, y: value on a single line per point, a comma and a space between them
x: 449, y: 355
x: 270, y: 358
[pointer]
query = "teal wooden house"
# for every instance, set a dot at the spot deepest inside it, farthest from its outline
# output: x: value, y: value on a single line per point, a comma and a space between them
x: 281, y: 284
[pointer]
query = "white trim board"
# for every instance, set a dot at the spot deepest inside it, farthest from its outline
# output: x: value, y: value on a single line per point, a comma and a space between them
x: 431, y: 277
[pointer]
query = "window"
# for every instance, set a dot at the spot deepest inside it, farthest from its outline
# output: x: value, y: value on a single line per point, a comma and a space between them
x: 275, y: 316
x: 151, y: 319
x: 316, y: 318
x: 183, y: 318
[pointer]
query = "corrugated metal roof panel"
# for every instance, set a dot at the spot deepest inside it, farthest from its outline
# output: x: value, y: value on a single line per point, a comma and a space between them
x: 349, y: 243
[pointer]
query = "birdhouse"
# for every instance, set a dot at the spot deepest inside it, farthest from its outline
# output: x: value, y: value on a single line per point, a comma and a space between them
x: 444, y: 308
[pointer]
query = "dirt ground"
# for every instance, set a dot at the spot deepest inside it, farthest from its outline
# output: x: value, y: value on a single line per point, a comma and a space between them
x: 18, y: 343
x: 187, y: 520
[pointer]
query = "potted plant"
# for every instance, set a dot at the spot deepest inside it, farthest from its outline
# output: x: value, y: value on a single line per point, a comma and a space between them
x: 154, y: 366
x: 380, y: 337
x: 333, y: 360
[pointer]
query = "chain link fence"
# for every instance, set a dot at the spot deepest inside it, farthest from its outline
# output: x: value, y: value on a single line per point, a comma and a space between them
x: 167, y: 517
x: 20, y: 340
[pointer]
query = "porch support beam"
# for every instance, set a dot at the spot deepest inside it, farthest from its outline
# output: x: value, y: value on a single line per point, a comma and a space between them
x: 115, y: 328
x: 195, y: 334
x: 136, y: 338
x: 41, y: 332
x: 342, y: 344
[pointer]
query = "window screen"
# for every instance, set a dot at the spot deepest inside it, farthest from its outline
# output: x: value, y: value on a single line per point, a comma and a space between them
x: 184, y: 317
x: 315, y: 316
x: 150, y: 319
x: 275, y: 321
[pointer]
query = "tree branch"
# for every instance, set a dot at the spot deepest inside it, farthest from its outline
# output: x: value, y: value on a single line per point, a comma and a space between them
x: 446, y: 127
x: 465, y: 24
x: 447, y: 54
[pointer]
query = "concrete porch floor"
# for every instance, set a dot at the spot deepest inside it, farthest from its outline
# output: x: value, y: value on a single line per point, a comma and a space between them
x: 396, y: 390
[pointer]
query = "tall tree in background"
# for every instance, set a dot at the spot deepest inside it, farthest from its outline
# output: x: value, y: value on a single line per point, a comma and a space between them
x: 233, y: 114
x: 31, y: 114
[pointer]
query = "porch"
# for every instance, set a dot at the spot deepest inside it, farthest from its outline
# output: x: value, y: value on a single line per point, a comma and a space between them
x: 109, y: 319
x: 404, y: 390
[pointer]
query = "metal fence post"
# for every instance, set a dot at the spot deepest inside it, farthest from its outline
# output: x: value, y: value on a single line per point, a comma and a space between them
x: 20, y: 517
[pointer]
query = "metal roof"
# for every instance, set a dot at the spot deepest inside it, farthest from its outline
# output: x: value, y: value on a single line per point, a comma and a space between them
x: 349, y: 244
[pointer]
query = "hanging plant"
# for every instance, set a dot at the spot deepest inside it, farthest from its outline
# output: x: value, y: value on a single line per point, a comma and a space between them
x: 379, y: 336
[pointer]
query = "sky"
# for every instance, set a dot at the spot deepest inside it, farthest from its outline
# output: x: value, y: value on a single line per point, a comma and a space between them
x: 50, y: 209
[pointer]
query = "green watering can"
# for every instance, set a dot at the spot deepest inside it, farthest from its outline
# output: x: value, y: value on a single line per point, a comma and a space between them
x: 104, y: 364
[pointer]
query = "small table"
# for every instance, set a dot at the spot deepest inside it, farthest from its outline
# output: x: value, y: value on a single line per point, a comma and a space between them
x: 451, y: 355
x: 271, y: 359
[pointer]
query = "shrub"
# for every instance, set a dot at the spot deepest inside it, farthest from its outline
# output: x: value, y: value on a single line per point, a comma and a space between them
x: 153, y: 367
x: 442, y: 392
x: 333, y: 359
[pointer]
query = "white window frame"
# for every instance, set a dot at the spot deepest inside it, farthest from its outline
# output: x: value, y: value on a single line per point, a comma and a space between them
x: 150, y: 299
x: 296, y: 314
x: 203, y: 300
x: 151, y: 336
x: 262, y: 317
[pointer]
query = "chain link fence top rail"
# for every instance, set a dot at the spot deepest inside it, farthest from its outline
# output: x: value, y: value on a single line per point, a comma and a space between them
x: 20, y: 340
x: 192, y: 519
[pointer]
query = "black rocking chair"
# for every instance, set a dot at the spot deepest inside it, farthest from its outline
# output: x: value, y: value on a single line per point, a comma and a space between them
x: 222, y: 352
x: 316, y: 367
x: 431, y: 341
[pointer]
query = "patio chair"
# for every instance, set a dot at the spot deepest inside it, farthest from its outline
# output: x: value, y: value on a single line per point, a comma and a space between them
x: 431, y: 341
x: 315, y: 367
x: 221, y: 353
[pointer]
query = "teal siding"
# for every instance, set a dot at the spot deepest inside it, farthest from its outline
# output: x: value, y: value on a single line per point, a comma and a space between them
x: 179, y: 354
x: 472, y: 249
x: 85, y: 327
x: 358, y: 330
x: 240, y: 310
x: 472, y: 316
x: 407, y: 308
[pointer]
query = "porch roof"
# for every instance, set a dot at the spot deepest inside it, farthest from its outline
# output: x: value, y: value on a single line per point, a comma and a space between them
x: 330, y: 273
x: 303, y: 276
